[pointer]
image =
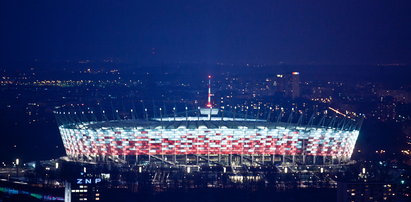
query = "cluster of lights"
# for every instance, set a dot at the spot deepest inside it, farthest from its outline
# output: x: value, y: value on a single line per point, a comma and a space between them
x: 380, y: 151
x: 60, y: 83
x: 241, y: 179
x: 406, y: 152
x: 323, y: 100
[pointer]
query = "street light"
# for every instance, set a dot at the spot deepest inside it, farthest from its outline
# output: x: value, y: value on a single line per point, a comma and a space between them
x: 17, y: 162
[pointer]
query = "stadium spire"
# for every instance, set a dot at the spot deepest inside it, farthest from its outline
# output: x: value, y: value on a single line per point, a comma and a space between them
x: 209, y: 105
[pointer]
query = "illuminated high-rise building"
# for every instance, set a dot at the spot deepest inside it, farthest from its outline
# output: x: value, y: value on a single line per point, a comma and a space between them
x: 295, y: 84
x: 288, y: 84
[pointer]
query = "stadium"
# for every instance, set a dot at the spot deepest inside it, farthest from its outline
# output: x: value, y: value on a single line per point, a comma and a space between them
x: 209, y: 136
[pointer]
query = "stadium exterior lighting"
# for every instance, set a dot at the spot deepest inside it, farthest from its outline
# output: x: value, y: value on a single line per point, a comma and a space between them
x: 207, y: 136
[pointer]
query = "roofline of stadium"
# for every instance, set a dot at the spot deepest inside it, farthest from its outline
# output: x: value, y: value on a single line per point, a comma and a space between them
x: 272, y: 119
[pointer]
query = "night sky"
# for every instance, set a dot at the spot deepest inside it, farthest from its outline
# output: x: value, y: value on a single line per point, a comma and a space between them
x: 207, y: 31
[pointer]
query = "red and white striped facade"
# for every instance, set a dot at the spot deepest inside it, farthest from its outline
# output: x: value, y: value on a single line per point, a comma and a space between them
x: 275, y: 140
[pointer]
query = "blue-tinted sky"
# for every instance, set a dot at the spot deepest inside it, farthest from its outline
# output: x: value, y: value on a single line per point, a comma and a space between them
x: 229, y: 31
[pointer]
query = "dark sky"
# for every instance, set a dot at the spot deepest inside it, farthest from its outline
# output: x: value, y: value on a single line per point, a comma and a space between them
x: 210, y: 31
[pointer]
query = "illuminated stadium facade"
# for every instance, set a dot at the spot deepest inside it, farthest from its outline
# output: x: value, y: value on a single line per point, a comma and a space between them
x: 225, y: 140
x: 205, y: 136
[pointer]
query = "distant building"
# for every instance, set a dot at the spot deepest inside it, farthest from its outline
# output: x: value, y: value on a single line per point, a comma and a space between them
x: 401, y: 96
x: 86, y: 187
x: 288, y: 84
x: 359, y: 191
x: 295, y: 84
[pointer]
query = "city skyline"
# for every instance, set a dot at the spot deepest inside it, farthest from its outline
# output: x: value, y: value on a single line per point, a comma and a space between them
x: 205, y: 100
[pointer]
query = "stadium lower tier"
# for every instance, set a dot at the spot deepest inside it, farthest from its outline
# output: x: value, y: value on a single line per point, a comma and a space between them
x: 276, y: 141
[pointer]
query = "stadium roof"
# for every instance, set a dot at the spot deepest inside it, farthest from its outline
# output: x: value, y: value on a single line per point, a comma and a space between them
x: 191, y: 123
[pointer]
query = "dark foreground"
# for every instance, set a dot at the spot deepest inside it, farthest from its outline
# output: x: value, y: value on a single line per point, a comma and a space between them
x: 209, y: 195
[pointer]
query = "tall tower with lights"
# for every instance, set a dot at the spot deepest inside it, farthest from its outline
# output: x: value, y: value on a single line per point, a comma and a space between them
x: 209, y: 110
